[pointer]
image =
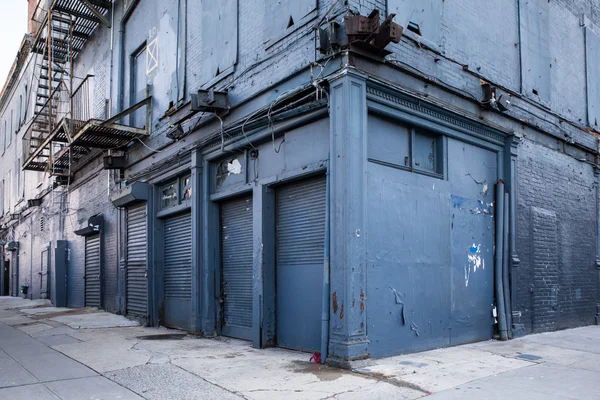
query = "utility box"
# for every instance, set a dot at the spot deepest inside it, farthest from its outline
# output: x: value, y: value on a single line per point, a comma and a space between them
x: 60, y: 273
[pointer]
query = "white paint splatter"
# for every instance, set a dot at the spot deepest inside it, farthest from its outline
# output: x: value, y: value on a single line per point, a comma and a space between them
x: 234, y: 167
x: 485, y: 188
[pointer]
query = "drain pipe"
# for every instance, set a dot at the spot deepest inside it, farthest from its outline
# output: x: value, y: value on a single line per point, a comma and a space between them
x: 498, y: 260
x: 31, y: 258
x: 325, y: 305
x: 505, y: 270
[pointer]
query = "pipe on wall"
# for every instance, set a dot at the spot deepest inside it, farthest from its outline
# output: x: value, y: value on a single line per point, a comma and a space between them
x: 31, y: 259
x: 505, y: 270
x: 325, y: 305
x: 498, y: 265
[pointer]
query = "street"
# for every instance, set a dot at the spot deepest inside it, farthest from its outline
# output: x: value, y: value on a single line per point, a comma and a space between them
x: 55, y: 353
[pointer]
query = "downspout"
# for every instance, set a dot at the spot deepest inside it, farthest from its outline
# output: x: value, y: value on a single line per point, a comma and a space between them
x: 505, y: 271
x: 325, y: 305
x: 16, y: 275
x: 31, y: 258
x: 520, y: 46
x: 112, y: 59
x: 498, y: 260
x: 2, y: 266
x: 121, y: 63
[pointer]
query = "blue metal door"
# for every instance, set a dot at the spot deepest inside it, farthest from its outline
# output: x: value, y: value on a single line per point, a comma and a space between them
x: 300, y: 250
x: 430, y: 243
x: 472, y: 172
x: 178, y: 270
x: 236, y: 267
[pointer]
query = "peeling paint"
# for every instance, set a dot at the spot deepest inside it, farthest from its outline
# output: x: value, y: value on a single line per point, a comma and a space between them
x: 474, y: 262
x: 399, y: 300
x: 475, y: 207
x: 415, y: 328
x: 362, y: 300
x: 334, y: 302
x: 342, y: 312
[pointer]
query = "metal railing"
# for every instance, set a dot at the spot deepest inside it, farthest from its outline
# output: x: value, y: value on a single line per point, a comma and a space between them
x: 81, y: 98
x: 45, y: 121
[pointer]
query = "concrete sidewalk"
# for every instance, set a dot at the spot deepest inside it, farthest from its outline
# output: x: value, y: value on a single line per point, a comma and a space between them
x: 89, y: 354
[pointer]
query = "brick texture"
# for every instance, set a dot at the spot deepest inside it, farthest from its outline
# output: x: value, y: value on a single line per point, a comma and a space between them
x: 556, y: 240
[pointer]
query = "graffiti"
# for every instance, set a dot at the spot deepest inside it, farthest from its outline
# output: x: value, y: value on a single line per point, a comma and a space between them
x: 474, y: 262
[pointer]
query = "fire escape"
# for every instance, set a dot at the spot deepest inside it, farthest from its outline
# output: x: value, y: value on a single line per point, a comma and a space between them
x: 66, y: 127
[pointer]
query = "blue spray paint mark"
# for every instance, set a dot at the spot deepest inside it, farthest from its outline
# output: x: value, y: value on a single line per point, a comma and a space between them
x: 474, y: 249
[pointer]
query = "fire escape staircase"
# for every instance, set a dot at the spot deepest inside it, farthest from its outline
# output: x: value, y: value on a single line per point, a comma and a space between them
x: 65, y: 128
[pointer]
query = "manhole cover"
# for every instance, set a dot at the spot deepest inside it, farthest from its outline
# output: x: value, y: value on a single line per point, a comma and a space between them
x: 169, y: 336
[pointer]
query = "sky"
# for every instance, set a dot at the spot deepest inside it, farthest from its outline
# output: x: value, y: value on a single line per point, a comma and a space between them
x: 13, y: 25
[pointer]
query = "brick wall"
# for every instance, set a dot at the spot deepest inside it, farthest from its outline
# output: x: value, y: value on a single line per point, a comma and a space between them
x: 556, y: 239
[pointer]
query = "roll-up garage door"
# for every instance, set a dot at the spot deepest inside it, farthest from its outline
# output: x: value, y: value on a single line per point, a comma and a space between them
x: 92, y: 271
x: 136, y: 260
x: 300, y: 255
x: 178, y: 270
x: 236, y: 253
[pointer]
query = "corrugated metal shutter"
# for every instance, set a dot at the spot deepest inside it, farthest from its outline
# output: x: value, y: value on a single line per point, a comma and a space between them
x: 92, y: 271
x: 178, y: 270
x: 301, y: 223
x: 300, y: 220
x: 136, y: 260
x: 178, y: 256
x: 236, y: 253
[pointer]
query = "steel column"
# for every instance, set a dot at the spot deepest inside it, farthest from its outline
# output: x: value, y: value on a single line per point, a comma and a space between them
x: 348, y: 119
x: 197, y: 242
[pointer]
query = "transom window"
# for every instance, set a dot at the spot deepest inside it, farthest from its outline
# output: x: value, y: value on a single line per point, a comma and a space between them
x: 176, y: 192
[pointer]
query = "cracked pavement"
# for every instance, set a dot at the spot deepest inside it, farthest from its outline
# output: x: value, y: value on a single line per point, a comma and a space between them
x: 50, y: 353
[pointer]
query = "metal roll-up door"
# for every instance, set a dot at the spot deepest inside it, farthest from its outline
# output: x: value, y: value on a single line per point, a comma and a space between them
x: 178, y: 270
x: 300, y: 249
x: 137, y: 297
x: 92, y: 271
x: 236, y: 253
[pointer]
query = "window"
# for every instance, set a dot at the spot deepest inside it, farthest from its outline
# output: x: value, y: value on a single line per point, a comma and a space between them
x: 168, y: 195
x: 405, y: 147
x: 176, y: 192
x: 425, y: 152
x: 20, y: 121
x: 9, y: 134
x: 2, y: 197
x: 186, y: 188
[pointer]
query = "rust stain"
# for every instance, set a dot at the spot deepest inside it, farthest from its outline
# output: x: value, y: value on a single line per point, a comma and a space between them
x: 342, y: 312
x: 362, y: 300
x: 334, y: 302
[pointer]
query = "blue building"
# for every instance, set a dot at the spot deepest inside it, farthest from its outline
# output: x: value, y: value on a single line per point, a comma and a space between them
x: 361, y: 178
